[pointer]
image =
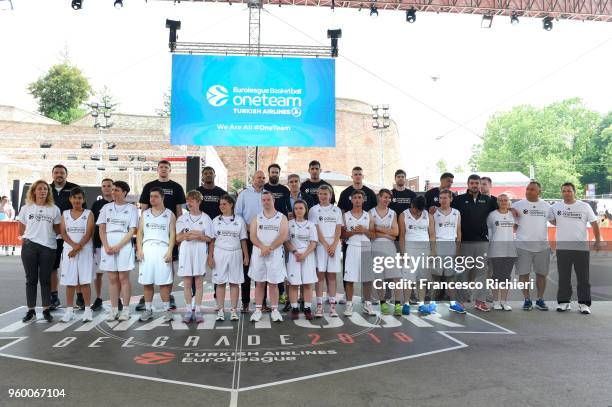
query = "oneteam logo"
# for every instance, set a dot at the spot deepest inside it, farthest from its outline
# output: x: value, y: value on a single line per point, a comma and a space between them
x: 217, y: 95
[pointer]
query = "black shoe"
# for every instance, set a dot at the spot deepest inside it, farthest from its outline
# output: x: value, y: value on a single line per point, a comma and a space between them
x: 97, y: 304
x: 80, y: 302
x: 172, y: 303
x: 120, y: 305
x: 31, y: 314
x: 55, y: 303
x: 287, y: 307
x: 141, y: 304
x: 47, y: 315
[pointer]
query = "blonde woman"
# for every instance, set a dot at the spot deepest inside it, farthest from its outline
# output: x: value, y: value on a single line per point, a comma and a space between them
x: 39, y: 225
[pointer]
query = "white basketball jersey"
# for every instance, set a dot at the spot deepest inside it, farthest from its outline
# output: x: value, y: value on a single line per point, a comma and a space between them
x: 326, y: 218
x: 385, y: 221
x: 229, y: 231
x: 76, y: 228
x: 417, y: 230
x: 446, y: 225
x: 301, y: 234
x: 156, y: 228
x: 351, y: 222
x: 268, y: 229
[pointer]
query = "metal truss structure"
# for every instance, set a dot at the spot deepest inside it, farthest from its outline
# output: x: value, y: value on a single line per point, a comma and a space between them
x: 587, y: 10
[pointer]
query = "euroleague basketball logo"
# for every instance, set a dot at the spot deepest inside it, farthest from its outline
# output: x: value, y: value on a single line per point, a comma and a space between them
x: 154, y: 358
x: 217, y: 95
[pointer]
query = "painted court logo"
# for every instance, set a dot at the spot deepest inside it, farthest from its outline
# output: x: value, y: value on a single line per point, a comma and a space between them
x: 154, y: 358
x: 217, y: 95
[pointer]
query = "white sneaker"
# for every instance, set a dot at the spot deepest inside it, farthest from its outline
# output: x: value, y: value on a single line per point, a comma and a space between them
x: 234, y: 315
x: 348, y: 311
x: 497, y: 306
x: 68, y: 316
x: 124, y: 315
x: 220, y: 315
x: 256, y: 316
x: 506, y: 306
x: 564, y: 307
x: 88, y: 315
x: 146, y: 315
x: 368, y: 309
x: 168, y: 316
x: 584, y: 309
x: 111, y: 316
x: 276, y: 316
x: 341, y: 299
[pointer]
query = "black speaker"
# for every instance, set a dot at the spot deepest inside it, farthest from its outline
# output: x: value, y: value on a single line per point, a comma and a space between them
x: 193, y: 173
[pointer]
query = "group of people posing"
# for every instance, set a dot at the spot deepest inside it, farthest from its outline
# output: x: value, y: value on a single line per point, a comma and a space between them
x: 292, y: 238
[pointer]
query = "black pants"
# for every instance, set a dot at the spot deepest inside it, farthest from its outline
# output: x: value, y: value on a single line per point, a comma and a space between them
x: 38, y: 263
x: 580, y: 260
x: 245, y: 288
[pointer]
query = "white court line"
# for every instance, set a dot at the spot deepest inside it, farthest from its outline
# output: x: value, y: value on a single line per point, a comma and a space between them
x: 18, y: 339
x: 14, y: 309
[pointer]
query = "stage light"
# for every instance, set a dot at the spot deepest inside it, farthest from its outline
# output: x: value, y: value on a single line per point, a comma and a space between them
x: 486, y: 21
x: 411, y: 15
x: 45, y: 145
x: 101, y: 168
x: 118, y: 3
x: 141, y: 158
x: 72, y: 157
x: 113, y: 158
x: 122, y: 168
x: 77, y: 4
x: 131, y: 158
x: 547, y: 23
x: 514, y: 20
x: 333, y: 4
x: 95, y: 158
x: 373, y: 11
x: 334, y: 35
x: 86, y: 145
x: 173, y: 26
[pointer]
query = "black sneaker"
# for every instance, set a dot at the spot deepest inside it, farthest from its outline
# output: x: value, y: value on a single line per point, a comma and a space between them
x: 141, y: 304
x: 80, y: 301
x: 120, y: 305
x: 287, y: 307
x: 47, y: 315
x: 295, y: 313
x: 97, y: 304
x: 31, y: 314
x: 55, y: 303
x: 307, y: 313
x: 172, y: 303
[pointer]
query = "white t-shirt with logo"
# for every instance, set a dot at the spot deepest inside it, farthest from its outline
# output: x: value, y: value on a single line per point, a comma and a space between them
x: 228, y: 231
x: 118, y: 218
x: 532, y: 231
x: 39, y: 221
x: 501, y: 234
x: 572, y: 221
x: 446, y: 225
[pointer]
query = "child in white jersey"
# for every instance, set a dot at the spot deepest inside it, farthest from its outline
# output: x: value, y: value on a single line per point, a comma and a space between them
x: 227, y: 255
x: 118, y: 221
x: 447, y: 222
x: 328, y: 219
x: 301, y: 265
x: 358, y: 229
x: 155, y: 241
x: 77, y: 228
x: 193, y: 233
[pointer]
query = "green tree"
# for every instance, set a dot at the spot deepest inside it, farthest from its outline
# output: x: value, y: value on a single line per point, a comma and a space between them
x: 595, y: 156
x: 237, y: 185
x: 165, y: 110
x: 553, y: 139
x: 106, y: 98
x: 442, y: 166
x: 61, y: 92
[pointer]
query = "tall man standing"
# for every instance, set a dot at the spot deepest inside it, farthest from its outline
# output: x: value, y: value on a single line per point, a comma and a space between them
x: 486, y: 184
x: 369, y: 201
x: 107, y: 197
x: 249, y: 205
x: 432, y: 197
x: 280, y: 192
x: 60, y: 187
x: 571, y: 218
x: 402, y: 196
x: 210, y: 192
x: 474, y: 208
x: 311, y: 185
x: 174, y: 198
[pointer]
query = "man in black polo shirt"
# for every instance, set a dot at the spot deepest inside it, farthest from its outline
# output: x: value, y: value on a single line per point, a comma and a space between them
x: 311, y: 186
x: 174, y: 198
x: 60, y: 188
x: 280, y: 192
x: 485, y: 188
x: 402, y: 196
x: 432, y: 197
x: 106, y: 189
x: 345, y: 197
x: 211, y: 193
x: 474, y: 208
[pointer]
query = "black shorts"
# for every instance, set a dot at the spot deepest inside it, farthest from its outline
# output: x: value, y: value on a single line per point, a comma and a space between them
x: 58, y: 254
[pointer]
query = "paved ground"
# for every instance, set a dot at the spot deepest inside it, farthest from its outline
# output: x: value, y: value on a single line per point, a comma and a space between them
x: 552, y: 359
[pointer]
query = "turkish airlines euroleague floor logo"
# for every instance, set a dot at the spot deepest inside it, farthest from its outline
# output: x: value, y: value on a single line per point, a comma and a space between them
x: 155, y: 358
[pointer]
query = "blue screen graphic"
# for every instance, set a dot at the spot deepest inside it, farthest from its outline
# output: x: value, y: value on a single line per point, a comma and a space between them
x: 253, y: 101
